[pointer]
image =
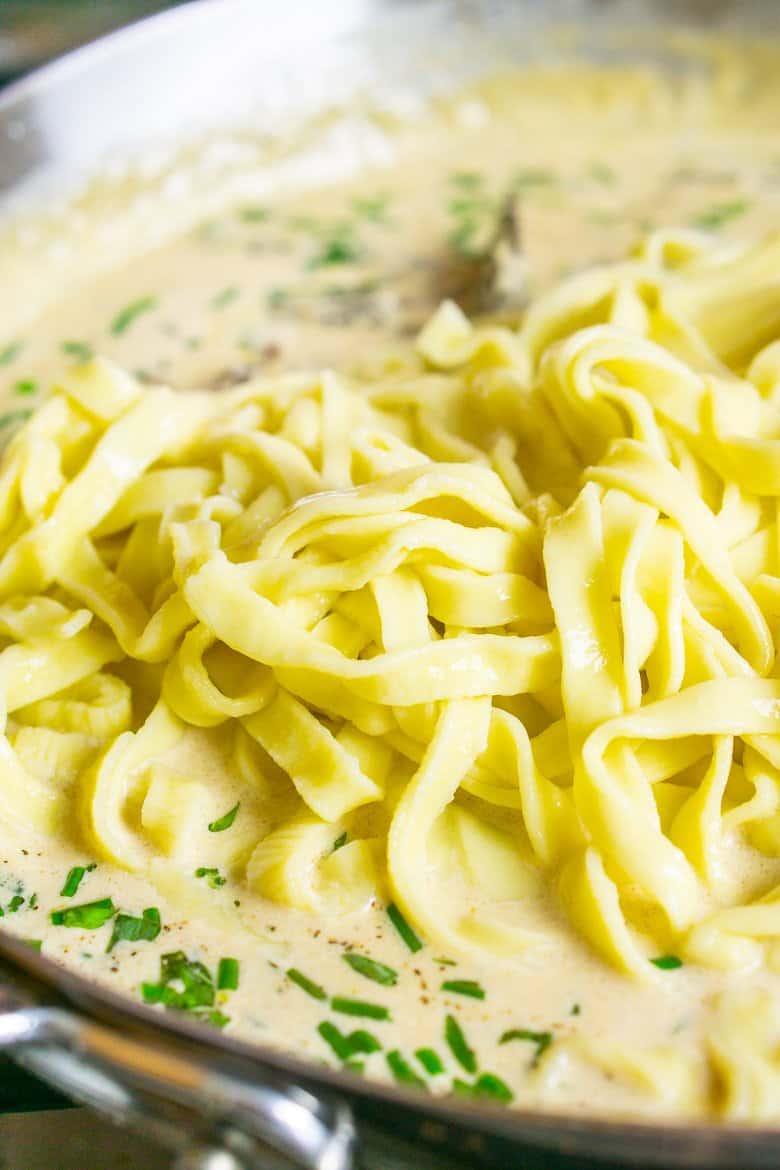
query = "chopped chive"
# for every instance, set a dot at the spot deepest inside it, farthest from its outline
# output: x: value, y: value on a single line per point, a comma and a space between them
x: 362, y: 1041
x: 227, y: 975
x: 358, y: 1007
x: 15, y: 904
x: 575, y: 1009
x: 253, y: 214
x: 340, y: 842
x: 371, y: 969
x: 25, y: 386
x: 308, y: 985
x: 34, y: 943
x: 533, y: 177
x: 667, y: 962
x: 445, y: 962
x: 431, y: 1061
x: 82, y: 351
x: 125, y: 317
x: 212, y: 876
x: 216, y: 1018
x: 14, y: 416
x: 226, y: 821
x: 603, y: 173
x: 225, y: 297
x: 468, y: 987
x: 33, y: 902
x: 721, y: 213
x: 371, y: 207
x: 487, y: 1085
x: 88, y: 916
x: 466, y: 180
x: 193, y: 991
x: 402, y: 1071
x: 341, y: 247
x: 335, y: 1039
x: 404, y: 929
x: 128, y: 928
x: 541, y: 1040
x: 458, y: 1045
x: 355, y: 1066
x: 73, y: 881
x: 10, y: 352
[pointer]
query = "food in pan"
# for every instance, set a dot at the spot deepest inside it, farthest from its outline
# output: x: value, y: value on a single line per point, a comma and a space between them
x: 420, y: 713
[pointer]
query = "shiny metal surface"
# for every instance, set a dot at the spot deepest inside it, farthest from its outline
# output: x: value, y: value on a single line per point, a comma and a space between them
x: 221, y: 1103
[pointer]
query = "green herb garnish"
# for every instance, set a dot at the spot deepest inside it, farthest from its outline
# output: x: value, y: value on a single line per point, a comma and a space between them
x: 575, y: 1009
x: 128, y: 928
x: 371, y: 969
x: 358, y: 1007
x: 212, y: 876
x: 14, y: 416
x: 184, y: 985
x: 253, y: 214
x: 467, y: 180
x: 10, y: 352
x: 125, y: 317
x: 533, y: 177
x: 15, y: 904
x: 404, y: 929
x: 226, y: 821
x: 308, y: 985
x: 88, y: 916
x: 431, y: 1061
x: 227, y: 975
x: 25, y: 386
x: 667, y: 962
x: 74, y: 879
x: 468, y: 987
x: 225, y: 297
x: 722, y: 213
x: 340, y: 842
x: 458, y: 1045
x: 541, y: 1040
x: 339, y: 247
x: 372, y: 207
x: 82, y: 351
x: 402, y: 1071
x: 487, y: 1085
x: 347, y: 1046
x: 34, y: 943
x: 603, y: 173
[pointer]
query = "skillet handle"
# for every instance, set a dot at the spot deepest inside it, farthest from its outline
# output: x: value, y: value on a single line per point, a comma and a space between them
x: 211, y: 1118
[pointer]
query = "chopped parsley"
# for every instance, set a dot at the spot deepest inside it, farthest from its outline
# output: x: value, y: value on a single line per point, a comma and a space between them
x: 402, y: 1071
x: 404, y: 929
x: 468, y: 987
x: 358, y: 1007
x: 25, y: 386
x: 458, y: 1045
x: 371, y: 969
x: 128, y: 928
x: 88, y: 916
x: 431, y: 1061
x: 721, y: 213
x: 541, y: 1041
x: 125, y: 317
x: 81, y: 351
x: 667, y: 962
x: 10, y: 352
x: 74, y: 879
x: 308, y: 985
x: 227, y: 975
x: 212, y: 876
x: 225, y: 821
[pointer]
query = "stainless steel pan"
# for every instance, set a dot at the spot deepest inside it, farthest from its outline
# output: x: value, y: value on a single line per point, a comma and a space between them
x: 221, y: 1103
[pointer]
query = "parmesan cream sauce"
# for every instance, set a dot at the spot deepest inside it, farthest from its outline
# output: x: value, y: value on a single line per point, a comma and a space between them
x: 340, y: 275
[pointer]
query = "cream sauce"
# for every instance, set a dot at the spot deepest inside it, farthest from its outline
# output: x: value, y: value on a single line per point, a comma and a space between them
x: 342, y: 276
